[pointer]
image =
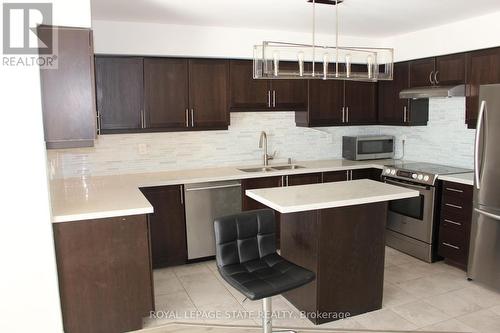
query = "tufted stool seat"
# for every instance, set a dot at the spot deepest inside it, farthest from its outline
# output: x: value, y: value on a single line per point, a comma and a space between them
x: 247, y: 259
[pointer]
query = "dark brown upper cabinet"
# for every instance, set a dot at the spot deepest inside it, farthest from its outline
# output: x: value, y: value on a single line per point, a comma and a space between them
x: 209, y: 93
x: 422, y: 72
x: 248, y: 94
x: 393, y: 110
x: 166, y: 93
x: 120, y: 102
x: 68, y: 98
x: 438, y: 71
x: 483, y: 67
x: 333, y: 103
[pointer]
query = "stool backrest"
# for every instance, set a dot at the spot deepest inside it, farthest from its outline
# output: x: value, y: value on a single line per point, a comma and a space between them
x: 244, y: 237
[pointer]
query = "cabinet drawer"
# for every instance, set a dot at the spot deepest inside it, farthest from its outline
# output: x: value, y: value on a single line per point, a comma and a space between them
x: 454, y: 224
x: 457, y: 192
x: 452, y: 245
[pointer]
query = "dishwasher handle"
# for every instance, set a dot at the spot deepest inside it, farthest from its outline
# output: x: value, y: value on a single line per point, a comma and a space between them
x: 212, y: 187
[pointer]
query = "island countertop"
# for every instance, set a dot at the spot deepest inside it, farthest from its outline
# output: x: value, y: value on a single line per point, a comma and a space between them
x: 328, y: 195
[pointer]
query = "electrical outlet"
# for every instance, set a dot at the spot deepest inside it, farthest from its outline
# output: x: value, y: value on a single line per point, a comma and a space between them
x: 143, y: 148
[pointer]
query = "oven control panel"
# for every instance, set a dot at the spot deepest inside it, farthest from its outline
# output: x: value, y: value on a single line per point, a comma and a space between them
x: 417, y: 177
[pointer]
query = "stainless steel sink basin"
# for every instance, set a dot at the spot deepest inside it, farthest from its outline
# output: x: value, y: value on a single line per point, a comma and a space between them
x: 261, y: 169
x: 288, y: 167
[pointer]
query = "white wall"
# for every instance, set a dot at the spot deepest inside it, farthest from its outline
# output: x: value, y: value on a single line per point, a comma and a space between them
x: 29, y: 297
x: 471, y: 34
x: 181, y: 40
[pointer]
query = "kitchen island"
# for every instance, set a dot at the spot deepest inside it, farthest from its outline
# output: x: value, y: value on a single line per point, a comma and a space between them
x: 336, y: 230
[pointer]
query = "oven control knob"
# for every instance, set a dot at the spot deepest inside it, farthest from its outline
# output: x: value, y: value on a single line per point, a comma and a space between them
x: 414, y: 176
x: 420, y: 177
x: 393, y: 172
x: 426, y: 178
x: 387, y: 171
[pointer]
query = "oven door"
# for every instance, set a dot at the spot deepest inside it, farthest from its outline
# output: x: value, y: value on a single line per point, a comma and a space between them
x: 412, y: 217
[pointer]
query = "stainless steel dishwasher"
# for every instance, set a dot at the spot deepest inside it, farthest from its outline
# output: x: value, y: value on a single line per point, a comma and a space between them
x: 205, y: 202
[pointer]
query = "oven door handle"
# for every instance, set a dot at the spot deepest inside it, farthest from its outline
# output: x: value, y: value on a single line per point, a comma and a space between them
x: 420, y: 187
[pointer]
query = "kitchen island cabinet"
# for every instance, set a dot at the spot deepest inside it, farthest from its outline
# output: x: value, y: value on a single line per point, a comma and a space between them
x: 336, y: 230
x: 105, y: 276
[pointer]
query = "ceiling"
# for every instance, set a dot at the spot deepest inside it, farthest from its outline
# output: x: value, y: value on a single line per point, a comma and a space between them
x: 357, y: 17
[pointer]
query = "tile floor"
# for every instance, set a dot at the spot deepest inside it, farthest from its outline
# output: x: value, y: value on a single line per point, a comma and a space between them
x: 417, y: 296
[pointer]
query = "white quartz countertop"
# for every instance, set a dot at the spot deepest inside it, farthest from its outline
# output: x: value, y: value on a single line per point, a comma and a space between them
x: 92, y: 197
x: 328, y: 195
x: 461, y: 178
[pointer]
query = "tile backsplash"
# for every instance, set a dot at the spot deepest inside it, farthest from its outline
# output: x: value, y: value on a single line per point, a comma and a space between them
x: 445, y: 140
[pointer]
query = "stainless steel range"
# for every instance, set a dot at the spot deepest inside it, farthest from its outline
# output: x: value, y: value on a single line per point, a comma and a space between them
x: 411, y: 222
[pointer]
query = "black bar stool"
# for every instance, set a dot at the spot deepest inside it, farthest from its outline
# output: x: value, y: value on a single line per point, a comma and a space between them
x: 247, y: 259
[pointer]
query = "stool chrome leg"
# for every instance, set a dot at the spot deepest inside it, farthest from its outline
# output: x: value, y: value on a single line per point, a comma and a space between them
x: 267, y: 320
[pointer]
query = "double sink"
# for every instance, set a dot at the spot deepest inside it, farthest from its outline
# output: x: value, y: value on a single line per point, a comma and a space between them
x: 274, y: 168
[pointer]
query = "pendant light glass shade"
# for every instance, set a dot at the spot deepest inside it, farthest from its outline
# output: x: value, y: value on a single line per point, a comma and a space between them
x: 278, y: 60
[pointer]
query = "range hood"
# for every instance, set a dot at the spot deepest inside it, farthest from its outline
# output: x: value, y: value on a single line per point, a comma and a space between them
x: 434, y: 91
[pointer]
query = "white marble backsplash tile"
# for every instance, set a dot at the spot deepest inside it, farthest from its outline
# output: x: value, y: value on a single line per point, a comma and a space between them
x: 445, y: 140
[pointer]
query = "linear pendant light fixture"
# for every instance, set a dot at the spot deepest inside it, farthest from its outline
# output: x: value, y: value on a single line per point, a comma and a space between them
x: 322, y: 62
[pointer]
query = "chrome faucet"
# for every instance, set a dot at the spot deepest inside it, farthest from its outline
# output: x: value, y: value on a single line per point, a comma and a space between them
x: 263, y: 144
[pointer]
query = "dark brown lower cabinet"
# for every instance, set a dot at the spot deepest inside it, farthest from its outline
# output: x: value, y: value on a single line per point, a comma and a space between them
x: 105, y: 277
x: 167, y: 225
x: 455, y: 224
x: 340, y: 176
x: 303, y: 179
x: 250, y: 204
x: 372, y: 173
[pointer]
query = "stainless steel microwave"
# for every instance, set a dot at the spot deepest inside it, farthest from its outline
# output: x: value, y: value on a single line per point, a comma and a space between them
x: 357, y: 148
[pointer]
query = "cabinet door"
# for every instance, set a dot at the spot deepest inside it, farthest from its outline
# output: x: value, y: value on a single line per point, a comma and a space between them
x: 289, y: 95
x: 304, y: 179
x: 420, y: 72
x: 371, y: 173
x: 250, y: 204
x: 104, y: 271
x: 483, y: 67
x: 209, y: 93
x: 168, y: 225
x: 119, y: 93
x: 166, y: 93
x: 360, y: 102
x: 69, y: 115
x: 247, y: 94
x: 391, y: 108
x: 450, y: 69
x: 326, y: 99
x: 335, y: 176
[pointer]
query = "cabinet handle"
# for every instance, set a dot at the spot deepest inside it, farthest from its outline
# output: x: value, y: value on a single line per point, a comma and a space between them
x: 452, y: 246
x: 347, y: 175
x: 347, y: 114
x: 187, y: 117
x: 343, y: 114
x: 269, y: 98
x: 452, y: 222
x: 405, y: 116
x: 454, y: 206
x: 192, y: 117
x: 430, y: 78
x: 182, y: 194
x: 454, y: 190
x: 436, y: 77
x: 274, y: 98
x: 98, y: 123
x: 143, y: 119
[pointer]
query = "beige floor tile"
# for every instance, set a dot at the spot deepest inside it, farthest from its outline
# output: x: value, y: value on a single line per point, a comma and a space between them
x: 496, y: 309
x: 349, y: 323
x: 452, y: 303
x: 212, y: 265
x: 384, y: 319
x: 225, y: 313
x: 431, y: 285
x: 394, y: 295
x: 205, y: 289
x: 420, y: 313
x: 479, y: 295
x: 396, y: 274
x: 394, y: 257
x: 179, y: 302
x: 484, y: 321
x: 163, y: 274
x: 167, y: 286
x: 451, y: 325
x: 191, y: 269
